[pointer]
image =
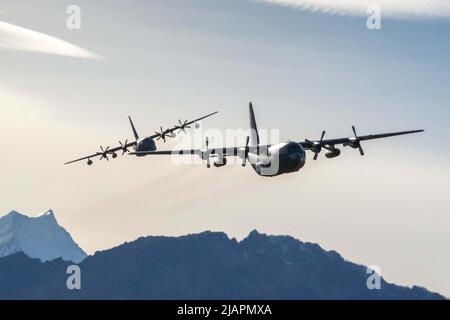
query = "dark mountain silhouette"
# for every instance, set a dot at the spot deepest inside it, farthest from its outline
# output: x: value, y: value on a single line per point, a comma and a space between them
x: 201, y: 266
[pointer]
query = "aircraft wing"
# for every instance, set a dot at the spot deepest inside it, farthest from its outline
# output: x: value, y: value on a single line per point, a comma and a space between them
x: 181, y: 126
x: 105, y: 152
x: 307, y: 145
x: 225, y: 152
x: 351, y: 141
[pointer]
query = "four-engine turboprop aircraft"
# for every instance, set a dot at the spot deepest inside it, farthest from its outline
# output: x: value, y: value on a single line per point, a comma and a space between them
x: 140, y: 145
x: 280, y: 158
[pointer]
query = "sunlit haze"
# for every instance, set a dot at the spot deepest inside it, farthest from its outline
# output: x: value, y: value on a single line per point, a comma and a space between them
x: 305, y: 71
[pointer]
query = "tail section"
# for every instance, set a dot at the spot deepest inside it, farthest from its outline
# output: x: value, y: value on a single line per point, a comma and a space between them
x: 254, y: 136
x: 136, y: 135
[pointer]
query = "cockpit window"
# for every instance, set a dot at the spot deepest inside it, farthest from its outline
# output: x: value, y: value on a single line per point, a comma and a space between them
x: 146, y: 145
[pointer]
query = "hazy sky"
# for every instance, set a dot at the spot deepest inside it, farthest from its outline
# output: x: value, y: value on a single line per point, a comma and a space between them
x: 64, y: 92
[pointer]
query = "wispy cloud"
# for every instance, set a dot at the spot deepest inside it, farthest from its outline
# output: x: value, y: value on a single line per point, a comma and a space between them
x: 390, y: 8
x: 18, y: 38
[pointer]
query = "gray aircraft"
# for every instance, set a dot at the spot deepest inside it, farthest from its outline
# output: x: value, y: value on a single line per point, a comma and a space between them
x: 275, y: 159
x: 142, y: 145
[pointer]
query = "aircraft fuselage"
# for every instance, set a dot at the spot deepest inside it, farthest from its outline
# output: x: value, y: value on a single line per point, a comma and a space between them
x: 278, y: 159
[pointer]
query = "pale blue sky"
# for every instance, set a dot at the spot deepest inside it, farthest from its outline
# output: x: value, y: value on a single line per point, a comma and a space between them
x: 305, y: 72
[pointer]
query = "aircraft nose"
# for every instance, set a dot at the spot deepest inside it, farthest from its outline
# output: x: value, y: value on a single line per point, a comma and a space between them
x: 295, y: 156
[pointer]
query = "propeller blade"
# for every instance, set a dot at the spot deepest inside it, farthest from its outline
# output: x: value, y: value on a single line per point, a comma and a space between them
x: 361, y: 151
x: 354, y: 132
x: 181, y: 129
x: 323, y: 135
x: 208, y: 159
x: 124, y: 147
x: 104, y: 153
x: 244, y: 161
x: 358, y: 143
x: 316, y: 147
x: 182, y: 126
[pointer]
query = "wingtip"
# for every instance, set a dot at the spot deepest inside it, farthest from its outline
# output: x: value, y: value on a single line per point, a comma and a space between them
x: 212, y: 113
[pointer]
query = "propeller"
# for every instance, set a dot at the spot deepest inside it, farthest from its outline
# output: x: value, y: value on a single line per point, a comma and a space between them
x: 208, y: 158
x: 316, y: 147
x: 104, y: 153
x: 124, y: 147
x: 357, y: 143
x: 244, y: 161
x: 162, y: 135
x: 182, y: 126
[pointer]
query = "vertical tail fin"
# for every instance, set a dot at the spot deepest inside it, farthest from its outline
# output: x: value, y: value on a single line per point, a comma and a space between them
x: 254, y: 136
x: 136, y: 136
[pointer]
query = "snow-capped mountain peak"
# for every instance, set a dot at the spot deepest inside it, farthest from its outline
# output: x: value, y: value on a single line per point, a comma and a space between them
x: 48, y: 213
x: 38, y: 237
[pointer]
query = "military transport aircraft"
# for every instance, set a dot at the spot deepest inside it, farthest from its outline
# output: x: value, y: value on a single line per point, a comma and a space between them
x: 275, y: 159
x: 146, y: 144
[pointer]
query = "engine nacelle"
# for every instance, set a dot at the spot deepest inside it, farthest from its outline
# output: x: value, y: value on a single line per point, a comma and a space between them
x: 353, y: 144
x: 333, y: 154
x: 220, y: 162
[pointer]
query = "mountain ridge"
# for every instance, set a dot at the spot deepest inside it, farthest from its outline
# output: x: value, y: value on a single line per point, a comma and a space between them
x: 210, y: 265
x: 206, y: 265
